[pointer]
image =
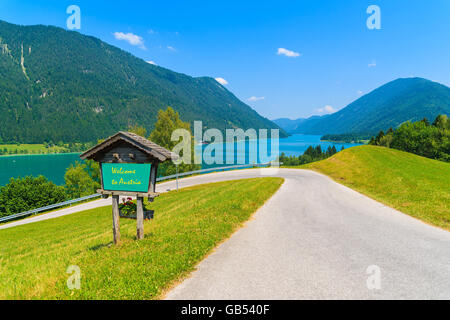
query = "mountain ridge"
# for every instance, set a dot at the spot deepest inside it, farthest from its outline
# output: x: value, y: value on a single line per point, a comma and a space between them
x: 59, y: 85
x: 390, y: 105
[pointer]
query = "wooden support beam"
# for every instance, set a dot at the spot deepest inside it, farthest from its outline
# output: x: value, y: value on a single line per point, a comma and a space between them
x: 116, y: 219
x: 128, y: 193
x: 140, y: 218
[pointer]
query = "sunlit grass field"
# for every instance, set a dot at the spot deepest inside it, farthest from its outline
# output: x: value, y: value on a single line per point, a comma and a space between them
x: 409, y: 183
x: 188, y: 224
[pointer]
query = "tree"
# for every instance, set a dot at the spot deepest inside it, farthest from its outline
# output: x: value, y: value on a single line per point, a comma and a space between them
x: 24, y: 194
x: 140, y: 131
x: 318, y: 152
x: 168, y: 121
x: 421, y: 138
x: 82, y: 179
x: 311, y: 155
x: 310, y: 151
x: 442, y: 122
x: 93, y: 169
x: 379, y: 137
x: 426, y: 122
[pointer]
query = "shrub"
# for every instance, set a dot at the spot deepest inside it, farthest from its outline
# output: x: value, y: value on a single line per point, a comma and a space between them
x: 23, y: 194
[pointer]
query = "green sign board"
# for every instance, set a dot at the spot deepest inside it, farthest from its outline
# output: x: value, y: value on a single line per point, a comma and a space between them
x: 130, y: 177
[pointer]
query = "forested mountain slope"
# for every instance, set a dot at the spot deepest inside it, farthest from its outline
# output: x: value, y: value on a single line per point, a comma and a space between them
x: 58, y: 85
x: 407, y: 99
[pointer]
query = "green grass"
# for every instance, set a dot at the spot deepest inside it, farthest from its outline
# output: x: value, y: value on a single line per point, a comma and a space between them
x: 30, y: 149
x: 409, y: 183
x: 188, y: 224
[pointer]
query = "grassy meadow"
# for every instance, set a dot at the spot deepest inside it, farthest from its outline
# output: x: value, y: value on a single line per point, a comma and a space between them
x: 188, y: 224
x: 409, y: 183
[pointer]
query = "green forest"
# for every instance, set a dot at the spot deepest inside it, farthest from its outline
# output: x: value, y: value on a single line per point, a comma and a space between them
x: 312, y: 154
x: 431, y: 140
x: 58, y: 85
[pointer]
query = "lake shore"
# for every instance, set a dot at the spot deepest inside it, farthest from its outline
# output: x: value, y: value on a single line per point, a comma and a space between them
x: 54, y: 165
x: 37, y: 154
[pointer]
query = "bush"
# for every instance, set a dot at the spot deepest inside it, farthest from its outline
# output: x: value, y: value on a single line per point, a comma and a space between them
x: 82, y: 179
x: 24, y: 194
x: 421, y: 138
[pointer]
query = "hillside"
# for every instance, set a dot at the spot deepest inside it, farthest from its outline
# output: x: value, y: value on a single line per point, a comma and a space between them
x: 388, y: 106
x: 57, y: 85
x: 412, y: 184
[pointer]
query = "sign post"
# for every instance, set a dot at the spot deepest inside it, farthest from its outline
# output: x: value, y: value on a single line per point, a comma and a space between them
x: 128, y: 166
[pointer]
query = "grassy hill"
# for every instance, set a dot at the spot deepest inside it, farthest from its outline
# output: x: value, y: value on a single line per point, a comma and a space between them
x: 412, y: 184
x: 58, y: 85
x: 401, y: 100
x: 188, y: 224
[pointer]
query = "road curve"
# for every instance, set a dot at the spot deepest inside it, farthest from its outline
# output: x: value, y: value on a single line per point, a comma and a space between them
x: 315, y: 239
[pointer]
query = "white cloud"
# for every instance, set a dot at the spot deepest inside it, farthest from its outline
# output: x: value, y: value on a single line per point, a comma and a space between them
x: 151, y: 62
x: 255, y: 98
x: 151, y: 31
x: 288, y: 53
x: 222, y: 81
x: 360, y: 92
x: 171, y: 48
x: 327, y: 109
x: 131, y: 38
x: 372, y: 64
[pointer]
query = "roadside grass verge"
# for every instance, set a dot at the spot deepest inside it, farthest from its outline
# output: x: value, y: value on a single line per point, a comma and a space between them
x: 409, y: 183
x: 188, y: 224
x: 95, y: 199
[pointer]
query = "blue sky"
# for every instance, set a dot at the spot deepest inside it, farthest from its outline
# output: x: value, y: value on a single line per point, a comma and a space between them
x: 330, y: 59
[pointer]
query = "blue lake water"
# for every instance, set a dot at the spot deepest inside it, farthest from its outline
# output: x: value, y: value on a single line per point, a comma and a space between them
x: 54, y: 166
x: 297, y: 144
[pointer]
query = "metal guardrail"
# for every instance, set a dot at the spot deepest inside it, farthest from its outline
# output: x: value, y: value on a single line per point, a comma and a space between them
x: 179, y: 175
x: 175, y: 176
x: 53, y: 206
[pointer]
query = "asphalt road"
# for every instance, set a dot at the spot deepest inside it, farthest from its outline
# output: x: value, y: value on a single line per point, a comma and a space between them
x: 316, y: 239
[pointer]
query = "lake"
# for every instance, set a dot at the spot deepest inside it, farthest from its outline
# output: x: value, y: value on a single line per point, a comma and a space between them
x: 53, y: 166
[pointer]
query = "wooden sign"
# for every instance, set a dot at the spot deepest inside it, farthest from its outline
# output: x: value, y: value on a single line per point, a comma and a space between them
x: 129, y: 166
x: 130, y: 177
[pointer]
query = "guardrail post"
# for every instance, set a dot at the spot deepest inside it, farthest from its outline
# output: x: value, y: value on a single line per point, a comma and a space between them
x: 177, y: 177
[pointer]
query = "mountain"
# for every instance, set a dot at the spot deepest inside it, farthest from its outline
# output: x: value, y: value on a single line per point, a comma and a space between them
x: 388, y: 106
x: 58, y: 85
x: 302, y: 124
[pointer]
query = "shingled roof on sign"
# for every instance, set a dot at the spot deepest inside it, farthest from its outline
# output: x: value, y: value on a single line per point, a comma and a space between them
x: 146, y: 146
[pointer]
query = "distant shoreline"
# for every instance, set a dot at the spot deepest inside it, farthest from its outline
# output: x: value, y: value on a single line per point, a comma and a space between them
x: 38, y: 154
x: 344, y: 142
